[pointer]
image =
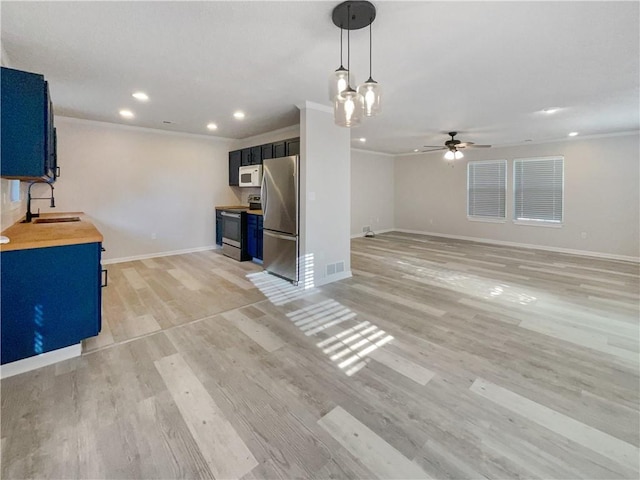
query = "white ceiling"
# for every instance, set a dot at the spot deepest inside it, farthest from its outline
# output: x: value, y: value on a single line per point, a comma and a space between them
x: 483, y: 68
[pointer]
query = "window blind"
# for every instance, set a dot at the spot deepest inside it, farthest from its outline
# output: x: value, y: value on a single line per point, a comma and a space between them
x: 538, y: 185
x: 487, y: 189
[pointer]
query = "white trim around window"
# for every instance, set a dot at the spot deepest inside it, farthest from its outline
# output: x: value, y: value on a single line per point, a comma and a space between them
x: 538, y: 191
x: 487, y: 191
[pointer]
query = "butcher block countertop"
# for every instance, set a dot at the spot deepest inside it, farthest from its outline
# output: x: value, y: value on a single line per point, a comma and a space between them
x: 232, y: 207
x: 23, y: 236
x: 239, y: 207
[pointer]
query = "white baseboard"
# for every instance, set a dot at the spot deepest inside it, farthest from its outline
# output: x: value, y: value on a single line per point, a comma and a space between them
x: 585, y: 253
x: 39, y: 361
x: 159, y: 254
x: 362, y: 234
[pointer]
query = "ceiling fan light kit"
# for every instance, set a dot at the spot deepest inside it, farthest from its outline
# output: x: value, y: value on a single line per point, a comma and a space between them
x: 453, y: 154
x: 349, y: 104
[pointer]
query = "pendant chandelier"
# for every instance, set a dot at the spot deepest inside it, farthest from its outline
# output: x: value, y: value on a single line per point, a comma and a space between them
x: 349, y: 104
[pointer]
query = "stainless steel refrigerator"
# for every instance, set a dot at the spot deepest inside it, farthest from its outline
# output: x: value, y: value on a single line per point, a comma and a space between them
x: 280, y: 191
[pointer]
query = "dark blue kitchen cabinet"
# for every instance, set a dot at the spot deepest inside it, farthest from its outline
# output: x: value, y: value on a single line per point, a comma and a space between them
x: 252, y: 227
x: 279, y: 149
x: 246, y: 157
x: 219, y: 227
x: 256, y: 155
x: 293, y: 146
x: 259, y: 238
x: 266, y: 151
x: 235, y: 160
x: 28, y: 141
x: 51, y: 298
x: 254, y: 236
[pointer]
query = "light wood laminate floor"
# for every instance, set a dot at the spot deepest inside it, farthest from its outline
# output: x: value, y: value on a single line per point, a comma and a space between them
x: 437, y: 359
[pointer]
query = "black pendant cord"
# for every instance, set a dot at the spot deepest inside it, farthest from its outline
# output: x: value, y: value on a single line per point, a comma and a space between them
x: 348, y: 48
x: 341, y: 57
x: 370, y: 50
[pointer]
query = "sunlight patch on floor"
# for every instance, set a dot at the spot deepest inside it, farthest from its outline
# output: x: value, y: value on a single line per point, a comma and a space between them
x: 465, y: 283
x: 348, y: 348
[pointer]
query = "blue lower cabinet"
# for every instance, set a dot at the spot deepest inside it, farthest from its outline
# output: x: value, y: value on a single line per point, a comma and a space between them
x: 259, y: 238
x: 51, y: 299
x: 219, y: 227
x: 252, y: 226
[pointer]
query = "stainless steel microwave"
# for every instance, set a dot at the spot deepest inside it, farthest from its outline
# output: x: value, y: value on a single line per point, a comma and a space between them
x: 250, y: 176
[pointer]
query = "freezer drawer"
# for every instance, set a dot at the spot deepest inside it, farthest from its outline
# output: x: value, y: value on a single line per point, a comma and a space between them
x: 280, y: 255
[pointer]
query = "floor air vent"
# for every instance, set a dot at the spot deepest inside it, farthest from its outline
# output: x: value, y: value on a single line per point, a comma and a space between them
x: 333, y: 268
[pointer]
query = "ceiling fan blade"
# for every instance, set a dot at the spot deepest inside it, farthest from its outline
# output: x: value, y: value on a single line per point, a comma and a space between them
x: 434, y: 149
x: 432, y: 146
x: 473, y: 145
x: 464, y: 144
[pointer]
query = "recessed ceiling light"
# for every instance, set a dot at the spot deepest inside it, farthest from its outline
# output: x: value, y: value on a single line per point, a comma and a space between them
x: 362, y: 139
x: 126, y: 113
x: 573, y: 134
x: 143, y: 97
x: 416, y: 150
x: 239, y: 115
x: 212, y: 126
x: 551, y: 110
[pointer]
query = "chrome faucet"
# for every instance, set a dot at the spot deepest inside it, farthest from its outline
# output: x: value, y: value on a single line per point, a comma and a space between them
x: 29, y: 198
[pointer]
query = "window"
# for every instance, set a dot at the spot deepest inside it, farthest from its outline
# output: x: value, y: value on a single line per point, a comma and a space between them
x: 487, y: 190
x: 14, y: 190
x: 538, y: 185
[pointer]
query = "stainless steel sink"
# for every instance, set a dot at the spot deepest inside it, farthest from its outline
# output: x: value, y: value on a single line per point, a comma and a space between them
x: 56, y: 220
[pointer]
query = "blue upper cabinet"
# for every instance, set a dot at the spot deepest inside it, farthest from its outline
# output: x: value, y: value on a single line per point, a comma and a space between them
x: 27, y: 132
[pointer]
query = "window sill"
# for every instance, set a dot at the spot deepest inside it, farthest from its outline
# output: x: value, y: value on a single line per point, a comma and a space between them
x: 538, y: 224
x: 487, y: 219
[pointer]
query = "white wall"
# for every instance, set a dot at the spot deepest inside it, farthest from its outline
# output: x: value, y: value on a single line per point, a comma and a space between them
x: 372, y: 191
x: 325, y: 185
x: 602, y: 196
x: 135, y: 182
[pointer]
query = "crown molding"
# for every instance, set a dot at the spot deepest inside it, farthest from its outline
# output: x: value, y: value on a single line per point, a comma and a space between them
x: 308, y: 105
x: 120, y: 126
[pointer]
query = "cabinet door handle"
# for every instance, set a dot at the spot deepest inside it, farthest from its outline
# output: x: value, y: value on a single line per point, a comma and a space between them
x: 106, y: 277
x: 57, y: 171
x: 102, y: 249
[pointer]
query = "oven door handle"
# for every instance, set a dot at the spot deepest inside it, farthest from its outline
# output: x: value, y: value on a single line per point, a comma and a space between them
x: 232, y: 215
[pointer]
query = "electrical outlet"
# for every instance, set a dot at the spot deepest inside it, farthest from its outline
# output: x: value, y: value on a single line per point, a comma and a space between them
x: 154, y: 236
x: 431, y: 221
x: 584, y: 235
x: 366, y: 228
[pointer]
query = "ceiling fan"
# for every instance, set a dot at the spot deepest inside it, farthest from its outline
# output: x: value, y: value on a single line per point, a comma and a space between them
x: 453, y: 147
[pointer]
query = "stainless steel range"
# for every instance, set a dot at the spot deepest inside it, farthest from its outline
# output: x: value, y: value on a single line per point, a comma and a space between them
x: 234, y: 232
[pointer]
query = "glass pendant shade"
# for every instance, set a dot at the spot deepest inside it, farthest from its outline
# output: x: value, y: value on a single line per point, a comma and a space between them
x: 453, y: 155
x: 371, y: 93
x: 348, y: 108
x: 338, y: 82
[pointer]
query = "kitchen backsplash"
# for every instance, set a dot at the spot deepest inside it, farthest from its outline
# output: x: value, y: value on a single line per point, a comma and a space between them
x: 12, y: 211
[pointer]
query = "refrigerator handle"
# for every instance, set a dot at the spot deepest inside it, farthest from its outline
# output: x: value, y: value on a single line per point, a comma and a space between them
x: 291, y: 238
x: 263, y: 194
